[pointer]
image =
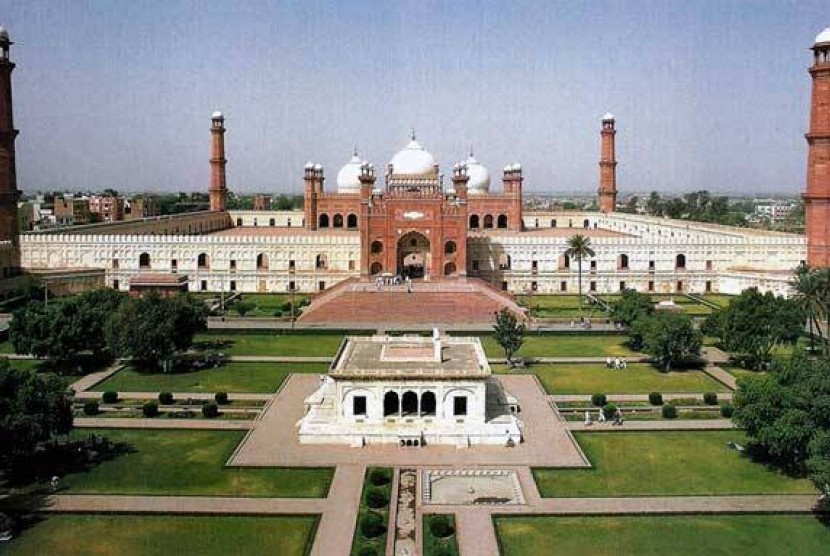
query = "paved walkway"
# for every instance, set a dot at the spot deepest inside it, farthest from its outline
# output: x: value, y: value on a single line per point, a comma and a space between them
x: 162, y: 423
x: 722, y: 396
x: 336, y: 529
x: 179, y: 396
x: 184, y: 504
x: 90, y: 380
x: 475, y: 533
x: 721, y: 376
x: 277, y: 359
x: 656, y: 425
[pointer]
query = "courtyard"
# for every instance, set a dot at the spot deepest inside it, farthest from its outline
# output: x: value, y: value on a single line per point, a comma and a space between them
x: 258, y: 477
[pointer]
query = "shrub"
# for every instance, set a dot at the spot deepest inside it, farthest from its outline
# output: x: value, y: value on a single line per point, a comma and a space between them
x: 655, y: 398
x: 380, y: 477
x: 669, y: 411
x: 608, y: 410
x: 221, y: 398
x: 109, y: 396
x: 726, y: 410
x: 150, y: 409
x: 599, y: 400
x: 210, y: 410
x: 372, y: 525
x: 710, y: 398
x: 376, y: 498
x: 367, y: 550
x: 165, y: 398
x: 286, y: 306
x: 440, y: 526
x: 91, y: 408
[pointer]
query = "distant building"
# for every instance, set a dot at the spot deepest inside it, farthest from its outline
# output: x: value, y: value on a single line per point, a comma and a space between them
x: 70, y: 211
x: 775, y: 212
x: 107, y: 208
x: 262, y: 202
x: 139, y: 207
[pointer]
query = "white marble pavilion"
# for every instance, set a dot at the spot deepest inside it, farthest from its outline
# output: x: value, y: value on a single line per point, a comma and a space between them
x: 410, y: 391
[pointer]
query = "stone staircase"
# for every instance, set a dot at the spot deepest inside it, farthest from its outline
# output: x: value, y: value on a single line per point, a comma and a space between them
x: 435, y: 302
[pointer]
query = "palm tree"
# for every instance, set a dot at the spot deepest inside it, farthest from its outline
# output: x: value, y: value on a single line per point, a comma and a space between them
x: 579, y: 247
x: 811, y: 294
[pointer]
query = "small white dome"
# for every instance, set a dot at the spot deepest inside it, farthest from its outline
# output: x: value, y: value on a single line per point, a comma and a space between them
x: 824, y: 36
x: 516, y: 167
x: 413, y: 160
x: 608, y: 117
x: 348, y: 178
x: 309, y: 165
x: 479, y: 182
x: 318, y: 167
x: 217, y: 115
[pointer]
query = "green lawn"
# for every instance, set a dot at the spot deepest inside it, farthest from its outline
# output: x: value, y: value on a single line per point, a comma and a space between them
x: 638, y: 378
x: 686, y: 535
x: 190, y: 462
x: 721, y: 300
x: 146, y: 535
x: 665, y: 464
x: 230, y: 377
x: 266, y: 304
x: 551, y: 306
x: 564, y: 345
x: 298, y: 345
x: 6, y: 347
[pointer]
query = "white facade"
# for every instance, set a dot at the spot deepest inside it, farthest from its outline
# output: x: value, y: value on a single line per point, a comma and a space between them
x: 411, y: 406
x: 259, y: 256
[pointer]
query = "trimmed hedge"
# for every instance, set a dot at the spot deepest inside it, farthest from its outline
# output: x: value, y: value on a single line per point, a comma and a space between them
x: 376, y: 498
x: 599, y: 400
x: 221, y: 398
x: 165, y: 398
x: 91, y: 408
x: 210, y: 410
x: 372, y: 525
x: 655, y: 398
x: 150, y: 409
x: 726, y: 410
x: 669, y: 411
x: 109, y: 396
x: 380, y: 476
x: 710, y: 398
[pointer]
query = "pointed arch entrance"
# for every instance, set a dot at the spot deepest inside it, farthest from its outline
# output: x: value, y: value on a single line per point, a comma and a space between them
x: 413, y: 255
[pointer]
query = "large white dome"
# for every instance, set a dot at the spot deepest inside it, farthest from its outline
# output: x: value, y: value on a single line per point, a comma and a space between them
x: 479, y: 182
x: 413, y: 160
x: 348, y: 178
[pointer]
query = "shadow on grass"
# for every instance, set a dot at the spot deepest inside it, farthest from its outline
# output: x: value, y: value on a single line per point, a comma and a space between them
x: 26, y: 487
x: 221, y: 344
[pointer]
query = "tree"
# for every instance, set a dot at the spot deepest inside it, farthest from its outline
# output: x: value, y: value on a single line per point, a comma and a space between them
x: 509, y: 333
x: 579, y: 247
x: 754, y: 323
x: 810, y: 294
x: 60, y: 331
x: 244, y: 307
x: 151, y: 328
x: 786, y: 414
x: 669, y: 338
x: 34, y: 408
x: 655, y: 205
x: 630, y: 306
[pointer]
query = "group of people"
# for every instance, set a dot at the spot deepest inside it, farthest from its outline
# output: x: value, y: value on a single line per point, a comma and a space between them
x: 616, y: 363
x: 584, y: 322
x: 617, y: 418
x: 396, y: 280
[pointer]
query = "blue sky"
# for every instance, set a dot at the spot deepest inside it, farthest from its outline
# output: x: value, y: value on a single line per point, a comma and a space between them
x: 707, y: 94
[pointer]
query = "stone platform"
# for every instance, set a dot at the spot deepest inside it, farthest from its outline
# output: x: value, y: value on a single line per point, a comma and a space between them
x: 430, y: 303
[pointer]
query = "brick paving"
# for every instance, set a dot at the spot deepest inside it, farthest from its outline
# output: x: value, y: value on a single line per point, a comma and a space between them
x: 90, y: 380
x: 162, y: 423
x: 273, y: 440
x: 721, y: 376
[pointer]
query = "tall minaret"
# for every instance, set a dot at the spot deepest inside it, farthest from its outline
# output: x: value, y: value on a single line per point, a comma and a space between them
x: 218, y: 188
x: 817, y: 196
x: 607, y: 166
x: 8, y: 178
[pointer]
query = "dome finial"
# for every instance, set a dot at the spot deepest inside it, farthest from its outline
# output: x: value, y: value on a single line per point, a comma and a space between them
x: 472, y: 153
x: 354, y: 152
x: 412, y: 134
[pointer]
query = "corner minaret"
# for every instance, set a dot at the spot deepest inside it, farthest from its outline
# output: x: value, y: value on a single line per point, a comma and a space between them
x: 218, y: 187
x: 8, y: 177
x: 817, y: 195
x: 607, y: 166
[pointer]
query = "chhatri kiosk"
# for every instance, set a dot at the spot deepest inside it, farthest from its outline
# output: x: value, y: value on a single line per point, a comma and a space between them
x: 410, y: 391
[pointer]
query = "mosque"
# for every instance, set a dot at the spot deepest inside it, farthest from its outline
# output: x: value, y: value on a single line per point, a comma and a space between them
x: 436, y: 225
